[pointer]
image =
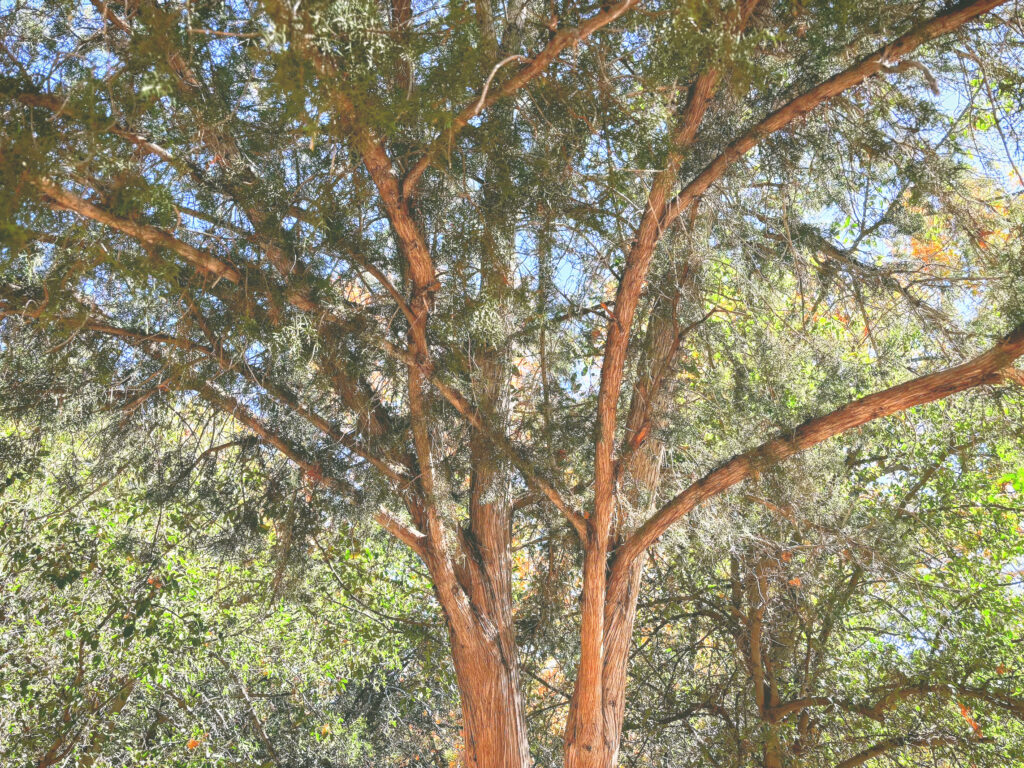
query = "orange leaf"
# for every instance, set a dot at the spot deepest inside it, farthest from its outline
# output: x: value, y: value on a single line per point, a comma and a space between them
x: 965, y: 711
x: 794, y: 582
x: 192, y: 743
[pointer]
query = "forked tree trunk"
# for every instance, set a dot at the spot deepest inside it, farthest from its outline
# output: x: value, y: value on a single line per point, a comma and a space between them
x: 474, y: 592
x: 583, y: 749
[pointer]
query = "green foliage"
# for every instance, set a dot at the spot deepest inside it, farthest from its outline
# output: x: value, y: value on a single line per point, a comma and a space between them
x: 142, y: 628
x: 192, y: 459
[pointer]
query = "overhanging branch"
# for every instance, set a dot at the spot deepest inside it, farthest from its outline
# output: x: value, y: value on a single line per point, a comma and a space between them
x: 988, y: 367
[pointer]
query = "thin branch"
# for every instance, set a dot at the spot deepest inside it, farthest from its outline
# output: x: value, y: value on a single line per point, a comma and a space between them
x: 537, y: 66
x: 895, y: 742
x: 144, y: 233
x: 483, y: 95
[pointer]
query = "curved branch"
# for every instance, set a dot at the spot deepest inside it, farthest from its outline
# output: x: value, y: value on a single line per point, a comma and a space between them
x: 987, y: 368
x: 659, y: 215
x: 144, y: 233
x: 483, y: 95
x: 470, y: 413
x: 631, y: 285
x: 895, y: 742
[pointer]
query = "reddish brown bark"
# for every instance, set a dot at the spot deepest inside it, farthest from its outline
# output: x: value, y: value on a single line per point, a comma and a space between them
x: 486, y: 659
x: 986, y: 368
x: 869, y: 66
x: 475, y: 597
x: 494, y: 727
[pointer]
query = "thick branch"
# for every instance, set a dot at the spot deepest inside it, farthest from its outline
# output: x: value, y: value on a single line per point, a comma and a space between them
x: 628, y: 295
x: 416, y: 253
x: 634, y: 276
x: 219, y: 399
x: 658, y: 217
x: 984, y: 369
x: 412, y: 538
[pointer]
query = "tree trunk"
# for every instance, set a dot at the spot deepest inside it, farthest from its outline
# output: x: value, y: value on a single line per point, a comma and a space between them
x: 477, y: 609
x: 586, y: 743
x: 486, y: 660
x: 474, y: 592
x: 494, y: 726
x: 620, y: 613
x: 772, y: 748
x: 485, y: 656
x: 599, y: 747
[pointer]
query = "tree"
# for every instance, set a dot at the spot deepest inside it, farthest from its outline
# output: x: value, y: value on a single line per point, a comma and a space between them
x: 462, y: 267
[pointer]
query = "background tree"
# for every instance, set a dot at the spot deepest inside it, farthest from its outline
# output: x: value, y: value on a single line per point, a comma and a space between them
x: 529, y: 285
x: 148, y: 630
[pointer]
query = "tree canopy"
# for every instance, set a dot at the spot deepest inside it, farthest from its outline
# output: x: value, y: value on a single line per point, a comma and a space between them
x: 628, y: 383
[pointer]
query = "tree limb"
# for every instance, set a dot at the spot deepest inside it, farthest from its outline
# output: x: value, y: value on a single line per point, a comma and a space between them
x: 895, y: 742
x: 985, y: 369
x: 144, y: 233
x: 873, y: 64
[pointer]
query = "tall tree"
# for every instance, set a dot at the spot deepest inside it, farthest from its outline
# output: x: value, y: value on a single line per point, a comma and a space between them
x: 477, y: 270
